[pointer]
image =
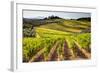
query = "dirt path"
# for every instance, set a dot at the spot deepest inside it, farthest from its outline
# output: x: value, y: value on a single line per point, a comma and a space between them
x: 82, y: 53
x: 52, y: 56
x: 67, y: 52
x: 38, y: 57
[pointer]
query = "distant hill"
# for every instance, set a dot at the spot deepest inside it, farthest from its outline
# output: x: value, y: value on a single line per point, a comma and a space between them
x: 38, y: 22
x: 72, y: 26
x: 80, y: 25
x: 84, y: 19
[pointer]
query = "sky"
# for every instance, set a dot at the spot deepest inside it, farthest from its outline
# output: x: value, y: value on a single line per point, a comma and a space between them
x: 43, y: 14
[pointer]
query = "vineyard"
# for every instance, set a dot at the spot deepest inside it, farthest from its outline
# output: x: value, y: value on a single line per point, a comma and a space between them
x: 56, y: 45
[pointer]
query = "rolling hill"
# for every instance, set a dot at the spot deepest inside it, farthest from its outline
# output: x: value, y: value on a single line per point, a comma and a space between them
x: 56, y: 39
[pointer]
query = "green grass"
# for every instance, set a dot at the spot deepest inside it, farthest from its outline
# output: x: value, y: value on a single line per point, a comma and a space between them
x: 48, y: 34
x: 68, y: 26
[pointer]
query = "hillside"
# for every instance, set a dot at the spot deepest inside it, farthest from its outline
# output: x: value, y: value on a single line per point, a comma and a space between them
x: 56, y: 39
x: 72, y: 26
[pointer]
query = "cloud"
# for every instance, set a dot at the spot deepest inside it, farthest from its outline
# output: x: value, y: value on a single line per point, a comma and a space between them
x: 66, y: 15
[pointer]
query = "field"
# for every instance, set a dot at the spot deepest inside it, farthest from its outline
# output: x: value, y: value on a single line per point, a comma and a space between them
x: 56, y: 40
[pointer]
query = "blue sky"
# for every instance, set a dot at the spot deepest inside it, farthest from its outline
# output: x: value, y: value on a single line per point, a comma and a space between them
x: 65, y: 15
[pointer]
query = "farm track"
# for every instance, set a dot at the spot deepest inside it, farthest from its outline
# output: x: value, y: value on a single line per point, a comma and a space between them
x: 52, y: 56
x: 82, y: 53
x: 67, y: 52
x: 38, y: 56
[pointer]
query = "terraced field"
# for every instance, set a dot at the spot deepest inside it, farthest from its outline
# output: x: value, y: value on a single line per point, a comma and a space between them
x: 71, y: 26
x: 58, y: 41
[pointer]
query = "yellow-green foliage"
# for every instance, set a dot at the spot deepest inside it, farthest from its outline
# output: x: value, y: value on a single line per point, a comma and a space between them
x: 84, y: 40
x: 47, y: 35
